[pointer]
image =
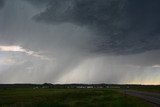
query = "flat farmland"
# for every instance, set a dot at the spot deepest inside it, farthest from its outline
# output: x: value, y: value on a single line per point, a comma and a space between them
x: 29, y: 97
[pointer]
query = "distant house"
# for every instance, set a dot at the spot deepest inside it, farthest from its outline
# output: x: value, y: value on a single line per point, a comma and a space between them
x: 81, y: 87
x: 89, y: 86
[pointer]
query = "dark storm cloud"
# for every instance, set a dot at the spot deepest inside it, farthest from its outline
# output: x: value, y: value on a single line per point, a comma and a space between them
x: 1, y: 3
x: 120, y: 26
x: 38, y: 3
x: 65, y: 52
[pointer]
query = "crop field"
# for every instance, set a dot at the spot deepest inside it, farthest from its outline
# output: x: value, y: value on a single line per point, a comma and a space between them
x: 28, y: 97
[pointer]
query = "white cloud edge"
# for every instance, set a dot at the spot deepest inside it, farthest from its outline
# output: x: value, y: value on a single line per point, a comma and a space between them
x: 17, y: 48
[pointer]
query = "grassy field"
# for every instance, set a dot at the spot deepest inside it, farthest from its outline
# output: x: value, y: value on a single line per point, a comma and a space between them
x: 150, y: 89
x: 67, y: 98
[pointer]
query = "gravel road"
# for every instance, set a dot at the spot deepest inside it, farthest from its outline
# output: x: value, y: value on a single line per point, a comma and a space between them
x: 151, y: 97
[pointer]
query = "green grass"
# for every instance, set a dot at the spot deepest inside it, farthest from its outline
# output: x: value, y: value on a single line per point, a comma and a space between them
x: 67, y: 98
x: 150, y: 89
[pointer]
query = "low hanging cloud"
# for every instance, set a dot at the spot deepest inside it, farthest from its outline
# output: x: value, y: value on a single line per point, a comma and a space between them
x: 16, y: 48
x: 120, y: 26
x: 156, y: 66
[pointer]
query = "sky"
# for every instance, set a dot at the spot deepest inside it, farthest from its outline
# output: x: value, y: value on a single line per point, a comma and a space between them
x: 80, y: 41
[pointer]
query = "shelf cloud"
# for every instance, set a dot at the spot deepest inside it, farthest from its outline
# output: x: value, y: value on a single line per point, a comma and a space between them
x: 121, y: 26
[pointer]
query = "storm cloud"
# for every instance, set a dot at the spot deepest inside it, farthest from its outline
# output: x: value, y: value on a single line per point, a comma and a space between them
x: 1, y: 3
x: 121, y: 26
x: 80, y: 41
x: 38, y: 3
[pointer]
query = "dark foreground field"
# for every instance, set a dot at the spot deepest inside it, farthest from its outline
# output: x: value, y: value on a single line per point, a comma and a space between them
x: 67, y: 98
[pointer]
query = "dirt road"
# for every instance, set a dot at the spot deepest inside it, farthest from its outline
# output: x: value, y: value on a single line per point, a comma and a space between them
x: 151, y: 97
